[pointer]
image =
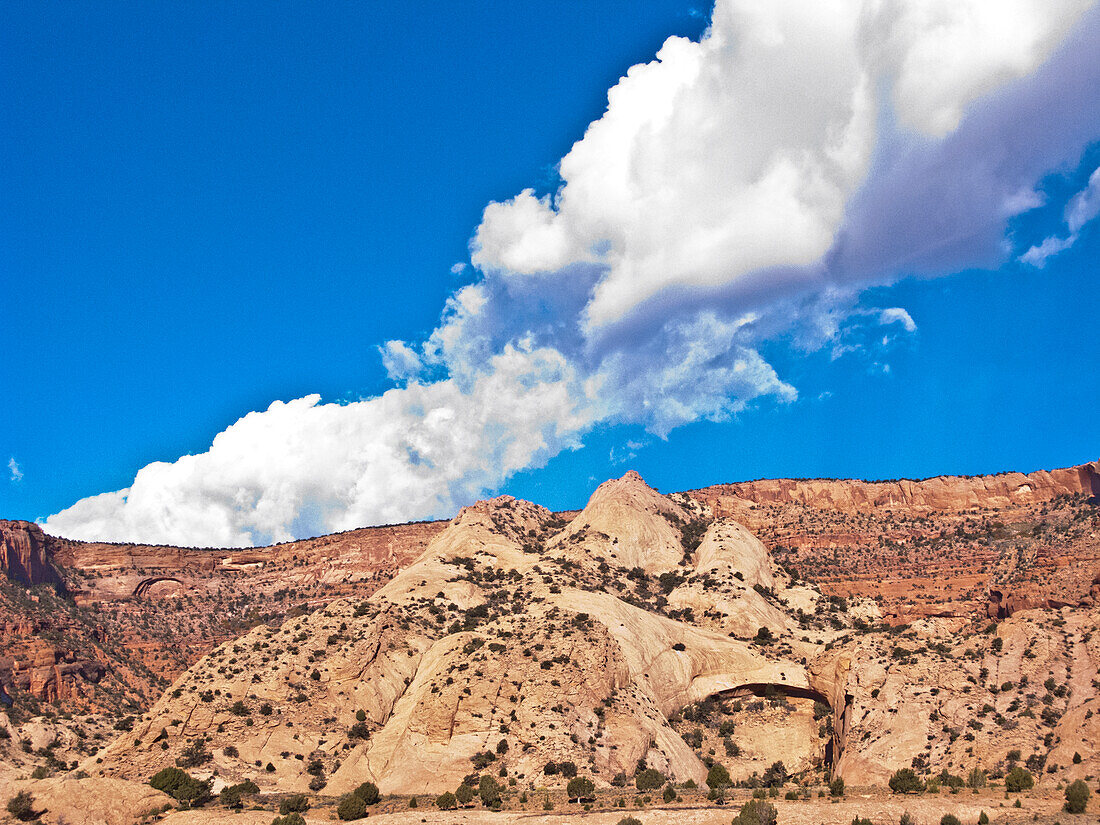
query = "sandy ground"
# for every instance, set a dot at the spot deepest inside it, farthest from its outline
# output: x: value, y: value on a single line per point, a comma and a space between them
x: 881, y: 809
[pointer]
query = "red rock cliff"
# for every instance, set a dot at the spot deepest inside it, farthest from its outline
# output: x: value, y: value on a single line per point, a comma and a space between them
x: 24, y: 554
x: 939, y: 493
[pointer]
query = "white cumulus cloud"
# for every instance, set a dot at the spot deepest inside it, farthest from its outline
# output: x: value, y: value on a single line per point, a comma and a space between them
x: 739, y: 189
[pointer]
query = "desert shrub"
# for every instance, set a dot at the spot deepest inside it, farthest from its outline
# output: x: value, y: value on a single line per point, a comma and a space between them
x: 1077, y: 797
x: 231, y: 751
x: 351, y: 807
x: 629, y: 820
x: 230, y: 795
x: 446, y: 801
x: 950, y: 780
x: 368, y: 792
x: 489, y: 791
x: 295, y: 803
x: 464, y: 794
x: 360, y: 715
x: 294, y: 818
x: 861, y: 821
x: 649, y: 779
x: 906, y: 819
x: 976, y: 778
x: 194, y: 755
x: 717, y: 776
x: 579, y: 787
x: 756, y: 812
x: 906, y: 781
x: 670, y: 794
x: 836, y: 787
x: 1019, y: 779
x: 21, y: 806
x: 983, y: 818
x: 949, y: 819
x: 775, y: 775
x: 567, y: 769
x: 413, y: 802
x: 181, y: 786
x: 126, y: 723
x: 359, y: 731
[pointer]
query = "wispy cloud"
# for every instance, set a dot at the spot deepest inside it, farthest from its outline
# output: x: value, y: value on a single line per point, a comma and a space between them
x: 1082, y: 209
x: 15, y: 470
x: 739, y: 189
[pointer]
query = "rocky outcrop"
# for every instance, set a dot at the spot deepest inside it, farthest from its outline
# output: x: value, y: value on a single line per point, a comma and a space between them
x: 509, y: 640
x: 24, y: 554
x: 48, y: 674
x: 938, y: 493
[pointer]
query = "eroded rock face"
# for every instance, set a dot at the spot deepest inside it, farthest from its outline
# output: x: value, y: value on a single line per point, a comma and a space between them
x: 510, y: 640
x: 24, y: 556
x: 644, y: 627
x: 939, y: 493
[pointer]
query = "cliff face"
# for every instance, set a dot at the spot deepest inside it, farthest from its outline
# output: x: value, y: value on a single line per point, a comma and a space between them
x: 24, y: 554
x: 939, y: 493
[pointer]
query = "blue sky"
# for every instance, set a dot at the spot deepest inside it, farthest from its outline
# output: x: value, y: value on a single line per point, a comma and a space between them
x: 203, y: 213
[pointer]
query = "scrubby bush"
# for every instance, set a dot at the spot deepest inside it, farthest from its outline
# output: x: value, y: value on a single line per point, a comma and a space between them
x: 649, y: 779
x: 579, y: 787
x: 489, y: 791
x: 906, y: 781
x: 294, y: 818
x: 351, y: 807
x: 717, y: 776
x: 295, y: 803
x: 181, y: 786
x: 464, y: 794
x: 670, y: 793
x: 976, y: 778
x: 836, y: 787
x: 1019, y: 779
x: 775, y: 775
x: 21, y: 806
x: 756, y: 812
x: 446, y: 801
x: 230, y: 795
x: 1077, y: 797
x: 368, y: 792
x: 983, y: 818
x: 359, y: 731
x: 629, y: 820
x: 949, y: 819
x: 194, y: 755
x: 861, y: 821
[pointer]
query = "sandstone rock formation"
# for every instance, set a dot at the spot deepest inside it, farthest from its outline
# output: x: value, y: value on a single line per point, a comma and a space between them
x: 23, y: 554
x: 843, y: 628
x: 508, y: 640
